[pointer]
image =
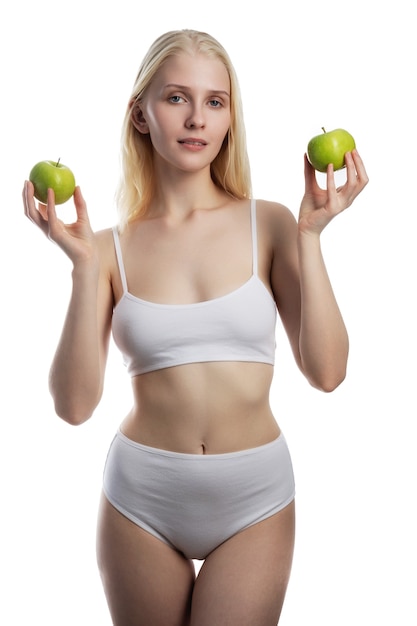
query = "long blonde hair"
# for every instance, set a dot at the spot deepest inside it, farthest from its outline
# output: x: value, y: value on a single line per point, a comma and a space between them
x: 230, y: 170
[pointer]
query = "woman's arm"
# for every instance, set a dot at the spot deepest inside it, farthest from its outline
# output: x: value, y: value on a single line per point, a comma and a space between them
x: 303, y: 291
x: 77, y: 371
x: 323, y: 340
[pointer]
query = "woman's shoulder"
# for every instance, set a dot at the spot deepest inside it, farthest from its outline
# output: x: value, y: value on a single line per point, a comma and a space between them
x: 104, y: 240
x: 271, y: 209
x: 275, y: 218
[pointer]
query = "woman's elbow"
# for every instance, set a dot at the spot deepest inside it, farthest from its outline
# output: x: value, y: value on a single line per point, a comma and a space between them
x: 75, y: 411
x: 72, y: 415
x: 328, y: 381
x: 75, y: 403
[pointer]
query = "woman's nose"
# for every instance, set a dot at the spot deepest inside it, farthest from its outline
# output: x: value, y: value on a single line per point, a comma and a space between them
x: 196, y: 119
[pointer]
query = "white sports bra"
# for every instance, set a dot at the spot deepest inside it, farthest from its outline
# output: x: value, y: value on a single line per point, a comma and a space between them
x: 239, y: 326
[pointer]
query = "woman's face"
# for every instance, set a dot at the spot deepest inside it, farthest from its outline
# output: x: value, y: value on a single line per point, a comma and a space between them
x: 186, y: 111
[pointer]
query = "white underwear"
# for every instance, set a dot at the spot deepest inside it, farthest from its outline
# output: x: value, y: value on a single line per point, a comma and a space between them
x: 195, y: 502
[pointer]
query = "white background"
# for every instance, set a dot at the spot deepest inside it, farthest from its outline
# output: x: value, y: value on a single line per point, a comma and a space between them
x: 66, y: 73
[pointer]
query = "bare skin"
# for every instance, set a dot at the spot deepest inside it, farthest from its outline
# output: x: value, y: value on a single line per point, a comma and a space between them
x: 199, y: 408
x: 195, y: 245
x: 242, y: 582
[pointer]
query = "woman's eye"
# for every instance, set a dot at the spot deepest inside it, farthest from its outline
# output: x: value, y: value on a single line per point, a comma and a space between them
x: 215, y: 103
x: 175, y: 99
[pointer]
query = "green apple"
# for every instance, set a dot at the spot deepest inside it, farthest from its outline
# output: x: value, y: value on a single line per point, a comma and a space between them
x: 330, y: 147
x: 52, y: 175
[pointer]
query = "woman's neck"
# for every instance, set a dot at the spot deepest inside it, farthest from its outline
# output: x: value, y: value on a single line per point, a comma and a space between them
x: 178, y: 196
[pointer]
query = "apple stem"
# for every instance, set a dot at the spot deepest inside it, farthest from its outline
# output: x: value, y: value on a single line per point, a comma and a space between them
x: 323, y: 129
x: 57, y: 163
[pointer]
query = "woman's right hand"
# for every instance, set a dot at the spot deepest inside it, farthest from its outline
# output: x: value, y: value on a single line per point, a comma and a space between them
x: 77, y: 239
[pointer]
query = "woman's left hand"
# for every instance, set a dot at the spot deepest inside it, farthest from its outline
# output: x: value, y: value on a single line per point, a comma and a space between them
x: 319, y: 206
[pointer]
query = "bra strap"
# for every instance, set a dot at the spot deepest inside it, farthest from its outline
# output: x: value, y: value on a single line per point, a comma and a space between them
x: 254, y: 237
x: 119, y: 258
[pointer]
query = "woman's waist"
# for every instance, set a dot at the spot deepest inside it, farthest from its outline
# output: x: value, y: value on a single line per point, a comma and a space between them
x: 188, y: 436
x: 228, y: 381
x: 201, y: 410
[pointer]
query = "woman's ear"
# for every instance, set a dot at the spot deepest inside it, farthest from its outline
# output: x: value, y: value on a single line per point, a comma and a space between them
x: 138, y: 119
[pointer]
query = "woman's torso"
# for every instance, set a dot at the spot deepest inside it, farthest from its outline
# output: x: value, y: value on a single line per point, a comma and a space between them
x: 207, y: 257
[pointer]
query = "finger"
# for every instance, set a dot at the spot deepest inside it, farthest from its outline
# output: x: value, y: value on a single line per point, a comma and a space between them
x: 330, y: 181
x: 28, y: 199
x: 25, y: 193
x: 356, y: 175
x: 30, y: 209
x: 360, y: 168
x: 350, y: 170
x: 80, y: 205
x: 356, y: 179
x: 51, y: 215
x: 309, y: 175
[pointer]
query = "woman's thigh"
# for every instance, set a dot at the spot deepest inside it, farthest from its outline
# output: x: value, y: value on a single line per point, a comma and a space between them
x: 243, y: 582
x: 145, y: 581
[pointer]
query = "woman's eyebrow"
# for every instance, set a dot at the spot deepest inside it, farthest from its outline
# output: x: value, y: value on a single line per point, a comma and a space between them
x: 185, y: 88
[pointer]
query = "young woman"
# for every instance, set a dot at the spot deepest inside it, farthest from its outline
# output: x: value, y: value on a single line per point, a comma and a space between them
x: 190, y: 283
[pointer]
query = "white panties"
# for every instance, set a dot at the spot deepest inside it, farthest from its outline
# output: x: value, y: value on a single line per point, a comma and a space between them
x: 195, y: 502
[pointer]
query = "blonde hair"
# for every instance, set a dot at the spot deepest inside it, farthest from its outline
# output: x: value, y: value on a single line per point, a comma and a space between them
x: 230, y: 170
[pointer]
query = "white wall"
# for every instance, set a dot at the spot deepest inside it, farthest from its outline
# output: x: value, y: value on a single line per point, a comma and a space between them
x: 67, y: 70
